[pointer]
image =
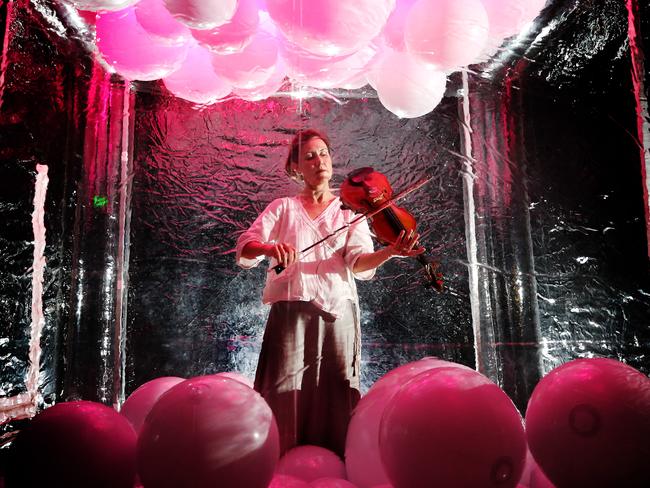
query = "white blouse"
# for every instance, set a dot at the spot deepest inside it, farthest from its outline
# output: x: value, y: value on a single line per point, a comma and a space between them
x: 323, y: 275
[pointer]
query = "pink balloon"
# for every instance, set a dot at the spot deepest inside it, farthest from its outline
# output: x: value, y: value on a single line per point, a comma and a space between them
x: 538, y: 479
x: 452, y: 427
x: 286, y: 481
x: 533, y: 8
x: 446, y: 33
x: 310, y: 463
x: 102, y: 5
x: 330, y: 27
x: 253, y: 66
x: 394, y: 30
x: 208, y: 431
x: 202, y: 14
x: 529, y: 465
x: 362, y: 458
x: 159, y: 23
x: 74, y: 444
x: 505, y: 17
x: 327, y: 72
x: 139, y: 403
x: 234, y: 35
x: 245, y: 380
x: 196, y: 81
x: 588, y: 424
x: 270, y: 86
x: 126, y: 46
x: 331, y: 483
x: 406, y: 87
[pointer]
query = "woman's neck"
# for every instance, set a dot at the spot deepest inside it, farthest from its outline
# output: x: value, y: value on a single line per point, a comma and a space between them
x: 319, y: 194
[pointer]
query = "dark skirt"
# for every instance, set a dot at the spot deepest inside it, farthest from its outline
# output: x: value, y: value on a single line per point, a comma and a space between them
x: 308, y: 372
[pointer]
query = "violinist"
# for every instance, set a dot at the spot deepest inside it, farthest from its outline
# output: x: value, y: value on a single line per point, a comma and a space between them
x: 308, y: 369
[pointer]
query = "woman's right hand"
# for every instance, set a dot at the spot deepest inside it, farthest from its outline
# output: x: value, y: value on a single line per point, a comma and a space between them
x: 285, y: 254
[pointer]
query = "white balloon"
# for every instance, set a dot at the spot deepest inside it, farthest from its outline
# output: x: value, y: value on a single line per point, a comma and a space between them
x: 202, y: 14
x: 406, y: 87
x: 251, y: 67
x: 446, y: 33
x: 330, y: 27
x: 196, y: 81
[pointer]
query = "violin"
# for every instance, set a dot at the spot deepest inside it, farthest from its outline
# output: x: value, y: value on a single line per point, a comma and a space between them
x: 364, y: 191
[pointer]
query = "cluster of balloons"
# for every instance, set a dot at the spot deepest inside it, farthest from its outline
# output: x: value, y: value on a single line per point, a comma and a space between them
x: 205, y: 50
x: 426, y: 423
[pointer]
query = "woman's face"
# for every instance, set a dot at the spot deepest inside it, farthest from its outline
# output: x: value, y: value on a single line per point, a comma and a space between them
x: 315, y: 163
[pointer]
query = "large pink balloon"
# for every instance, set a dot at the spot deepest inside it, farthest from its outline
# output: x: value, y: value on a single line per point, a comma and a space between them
x: 406, y: 87
x: 205, y: 432
x: 74, y: 444
x: 533, y: 8
x: 253, y: 66
x: 394, y: 29
x: 505, y: 17
x: 139, y: 403
x: 196, y: 81
x: 332, y: 483
x: 159, y: 23
x: 330, y: 27
x: 135, y: 55
x: 237, y: 377
x: 234, y: 35
x: 270, y: 86
x: 538, y: 479
x: 588, y: 424
x: 446, y: 33
x: 452, y: 427
x: 310, y: 463
x: 202, y: 14
x: 362, y: 458
x: 286, y: 481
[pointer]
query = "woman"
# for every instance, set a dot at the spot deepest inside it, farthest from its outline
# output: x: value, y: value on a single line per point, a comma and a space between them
x: 308, y: 369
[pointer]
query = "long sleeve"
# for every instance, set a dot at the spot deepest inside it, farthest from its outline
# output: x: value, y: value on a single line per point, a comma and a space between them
x: 359, y: 241
x: 264, y: 229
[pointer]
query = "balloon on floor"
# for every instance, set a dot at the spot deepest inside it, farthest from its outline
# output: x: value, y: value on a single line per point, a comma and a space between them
x: 76, y: 445
x: 208, y: 431
x: 588, y: 424
x: 139, y: 403
x: 310, y: 463
x: 362, y: 458
x: 452, y: 427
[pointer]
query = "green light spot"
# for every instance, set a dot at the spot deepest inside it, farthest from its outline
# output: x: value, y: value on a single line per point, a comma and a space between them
x: 99, y: 201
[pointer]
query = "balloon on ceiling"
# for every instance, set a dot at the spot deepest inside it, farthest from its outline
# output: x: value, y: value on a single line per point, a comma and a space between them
x: 404, y: 48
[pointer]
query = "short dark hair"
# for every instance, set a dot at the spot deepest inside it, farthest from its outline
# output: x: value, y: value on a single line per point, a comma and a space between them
x: 299, y: 140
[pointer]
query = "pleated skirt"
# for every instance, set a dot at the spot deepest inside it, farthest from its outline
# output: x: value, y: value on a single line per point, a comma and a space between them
x: 308, y: 372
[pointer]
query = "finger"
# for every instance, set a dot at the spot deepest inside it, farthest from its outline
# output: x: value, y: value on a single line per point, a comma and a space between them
x: 291, y: 256
x: 283, y: 255
x: 418, y: 251
x: 415, y: 243
x: 276, y: 253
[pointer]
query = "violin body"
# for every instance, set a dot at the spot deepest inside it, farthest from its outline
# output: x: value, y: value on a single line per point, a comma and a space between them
x: 366, y: 190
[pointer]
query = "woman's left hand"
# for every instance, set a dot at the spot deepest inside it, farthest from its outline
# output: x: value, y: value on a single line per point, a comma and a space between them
x: 407, y: 244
